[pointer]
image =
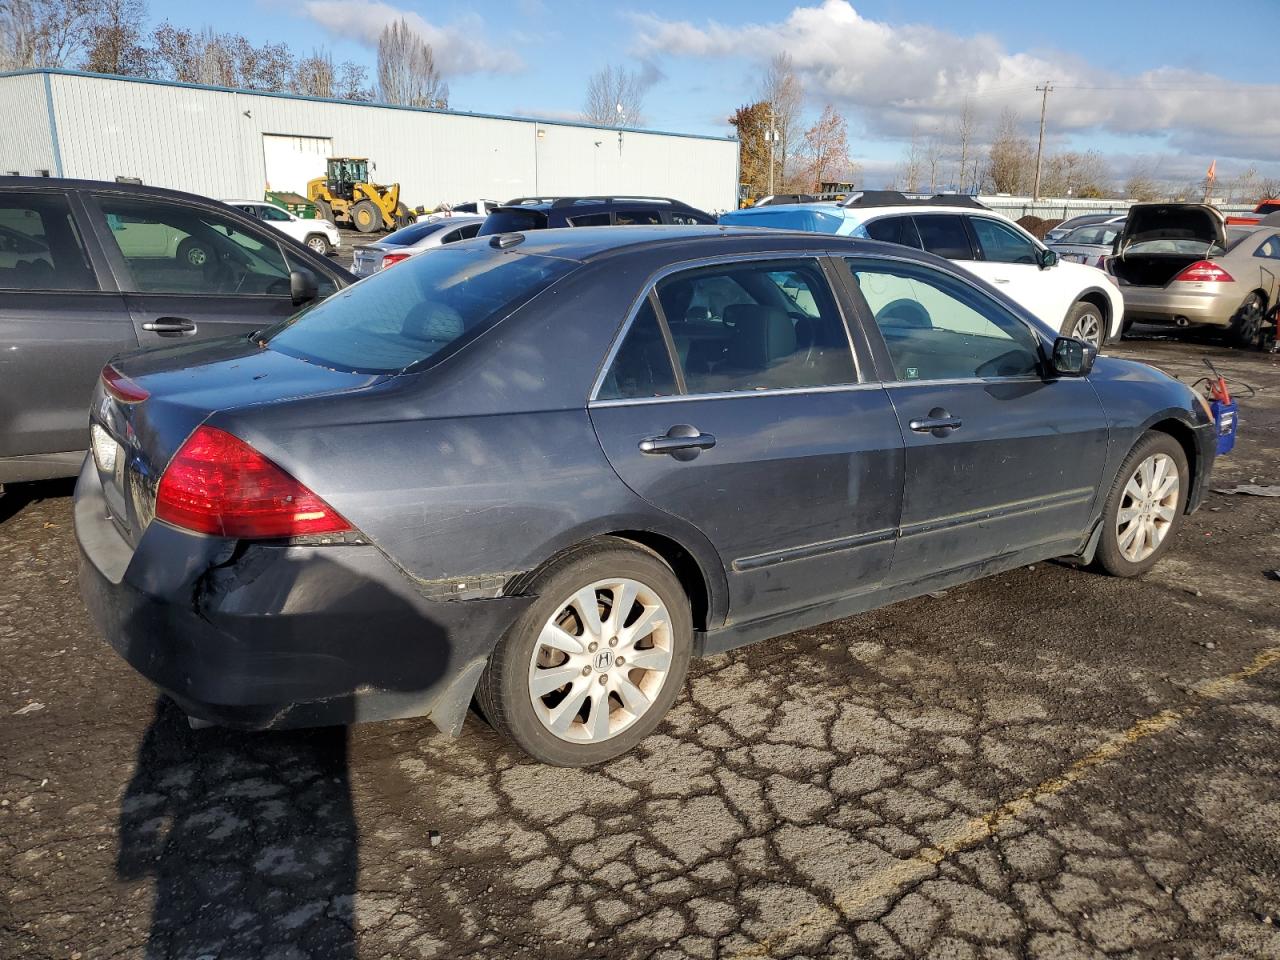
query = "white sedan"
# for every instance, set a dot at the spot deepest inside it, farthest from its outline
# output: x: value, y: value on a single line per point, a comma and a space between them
x: 320, y: 235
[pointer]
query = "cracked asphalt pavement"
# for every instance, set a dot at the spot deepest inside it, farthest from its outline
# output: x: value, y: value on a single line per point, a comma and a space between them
x: 1049, y: 763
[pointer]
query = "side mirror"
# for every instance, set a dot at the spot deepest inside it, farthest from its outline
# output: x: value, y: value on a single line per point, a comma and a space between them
x: 1047, y: 259
x: 302, y: 287
x: 1072, y: 358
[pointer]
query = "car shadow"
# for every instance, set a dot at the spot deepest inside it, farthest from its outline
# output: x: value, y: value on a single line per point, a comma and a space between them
x: 18, y: 496
x: 250, y: 840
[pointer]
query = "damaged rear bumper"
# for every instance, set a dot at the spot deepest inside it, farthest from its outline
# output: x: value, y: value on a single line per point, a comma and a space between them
x: 267, y: 635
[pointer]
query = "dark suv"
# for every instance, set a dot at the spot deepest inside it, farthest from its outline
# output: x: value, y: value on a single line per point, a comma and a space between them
x: 540, y: 213
x: 91, y: 269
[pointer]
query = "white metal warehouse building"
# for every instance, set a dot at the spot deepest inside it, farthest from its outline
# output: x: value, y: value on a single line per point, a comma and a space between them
x: 227, y: 143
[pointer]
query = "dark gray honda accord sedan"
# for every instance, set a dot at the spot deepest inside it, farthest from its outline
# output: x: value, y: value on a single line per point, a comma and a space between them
x: 545, y: 471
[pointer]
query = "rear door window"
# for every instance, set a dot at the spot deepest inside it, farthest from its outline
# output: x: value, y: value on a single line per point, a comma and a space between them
x: 894, y: 230
x: 40, y: 247
x: 944, y: 234
x: 176, y: 248
x: 590, y: 220
x: 756, y: 326
x: 642, y: 365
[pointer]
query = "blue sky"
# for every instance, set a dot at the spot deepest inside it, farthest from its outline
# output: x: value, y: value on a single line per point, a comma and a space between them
x: 1164, y: 91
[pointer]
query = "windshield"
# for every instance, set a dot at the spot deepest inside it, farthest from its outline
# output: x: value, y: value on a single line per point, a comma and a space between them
x: 1097, y: 234
x: 402, y: 317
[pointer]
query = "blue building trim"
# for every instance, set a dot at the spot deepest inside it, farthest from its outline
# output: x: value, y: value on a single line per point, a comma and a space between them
x: 53, y: 126
x: 51, y: 72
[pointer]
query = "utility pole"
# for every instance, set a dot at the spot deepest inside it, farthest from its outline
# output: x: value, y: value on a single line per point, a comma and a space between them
x: 1044, y: 103
x: 772, y: 136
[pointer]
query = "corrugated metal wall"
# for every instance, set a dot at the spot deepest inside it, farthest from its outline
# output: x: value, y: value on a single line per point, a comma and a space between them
x: 210, y: 142
x: 26, y: 145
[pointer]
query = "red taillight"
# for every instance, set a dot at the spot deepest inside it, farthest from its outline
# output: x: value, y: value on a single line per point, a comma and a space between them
x: 121, y: 387
x: 389, y: 258
x: 1204, y: 271
x: 219, y: 484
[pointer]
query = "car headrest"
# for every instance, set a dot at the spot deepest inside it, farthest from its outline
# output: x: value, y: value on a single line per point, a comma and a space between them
x: 904, y: 312
x: 764, y: 334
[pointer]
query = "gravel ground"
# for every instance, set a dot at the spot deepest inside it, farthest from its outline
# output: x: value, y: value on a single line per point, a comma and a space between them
x: 1045, y: 764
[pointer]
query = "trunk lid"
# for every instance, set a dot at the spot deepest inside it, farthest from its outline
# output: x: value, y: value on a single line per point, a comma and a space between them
x: 186, y: 385
x: 1159, y: 240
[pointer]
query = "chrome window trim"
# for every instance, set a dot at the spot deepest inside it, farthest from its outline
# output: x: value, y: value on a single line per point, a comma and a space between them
x: 738, y: 394
x: 651, y: 286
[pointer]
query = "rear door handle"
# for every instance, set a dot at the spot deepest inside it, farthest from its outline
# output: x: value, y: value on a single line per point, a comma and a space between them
x: 682, y: 442
x: 169, y: 325
x: 999, y: 279
x: 939, y: 422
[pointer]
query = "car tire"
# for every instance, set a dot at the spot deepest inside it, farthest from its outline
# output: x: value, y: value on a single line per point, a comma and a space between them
x: 366, y: 217
x: 194, y: 255
x: 318, y: 243
x: 1085, y: 322
x: 564, y: 724
x: 1137, y: 513
x: 1246, y: 323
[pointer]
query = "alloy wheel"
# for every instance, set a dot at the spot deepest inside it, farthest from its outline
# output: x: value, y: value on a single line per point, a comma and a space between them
x: 601, y: 660
x: 1088, y: 327
x: 1147, y: 508
x: 317, y: 244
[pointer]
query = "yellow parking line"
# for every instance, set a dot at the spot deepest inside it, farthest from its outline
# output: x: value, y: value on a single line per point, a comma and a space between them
x: 978, y: 830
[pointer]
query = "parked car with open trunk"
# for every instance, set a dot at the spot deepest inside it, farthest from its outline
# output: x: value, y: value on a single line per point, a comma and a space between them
x: 1178, y: 264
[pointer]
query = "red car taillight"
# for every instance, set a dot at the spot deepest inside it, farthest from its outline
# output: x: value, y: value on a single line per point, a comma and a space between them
x: 1204, y: 271
x: 220, y: 485
x: 121, y: 387
x: 391, y: 258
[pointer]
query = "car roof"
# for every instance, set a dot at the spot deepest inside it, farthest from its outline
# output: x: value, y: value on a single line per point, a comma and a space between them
x: 682, y: 242
x: 100, y: 186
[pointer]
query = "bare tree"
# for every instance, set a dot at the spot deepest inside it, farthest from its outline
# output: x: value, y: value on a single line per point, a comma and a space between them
x: 824, y: 153
x: 1269, y: 189
x: 116, y: 42
x: 615, y: 98
x: 962, y: 133
x: 1011, y: 159
x: 782, y: 90
x: 315, y: 76
x: 910, y: 169
x: 1142, y: 184
x: 933, y: 153
x: 44, y: 33
x: 352, y: 83
x: 407, y: 71
x: 1244, y: 188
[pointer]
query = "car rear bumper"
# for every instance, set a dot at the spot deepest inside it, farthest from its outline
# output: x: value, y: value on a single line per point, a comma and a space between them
x: 1161, y: 305
x: 260, y: 636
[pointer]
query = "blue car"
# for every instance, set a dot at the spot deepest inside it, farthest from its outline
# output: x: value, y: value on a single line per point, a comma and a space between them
x: 546, y: 470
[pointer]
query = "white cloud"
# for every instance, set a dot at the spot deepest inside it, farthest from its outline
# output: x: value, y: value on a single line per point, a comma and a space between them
x: 896, y: 77
x: 462, y: 47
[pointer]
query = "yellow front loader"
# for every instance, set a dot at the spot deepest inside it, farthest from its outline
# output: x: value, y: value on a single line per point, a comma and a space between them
x: 344, y: 196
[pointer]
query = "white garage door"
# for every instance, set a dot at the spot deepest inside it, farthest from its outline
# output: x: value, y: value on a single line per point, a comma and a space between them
x: 292, y: 161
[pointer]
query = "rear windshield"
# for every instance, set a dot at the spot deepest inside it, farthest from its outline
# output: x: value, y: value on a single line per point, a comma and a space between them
x: 401, y: 317
x: 512, y: 220
x: 406, y: 236
x: 1183, y: 246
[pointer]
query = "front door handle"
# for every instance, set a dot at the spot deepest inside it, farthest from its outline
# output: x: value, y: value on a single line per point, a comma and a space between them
x: 939, y: 423
x: 169, y: 325
x: 999, y: 279
x: 681, y: 442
